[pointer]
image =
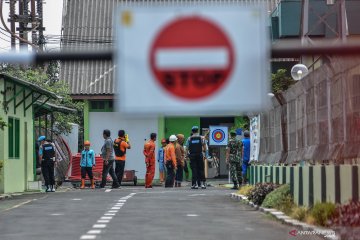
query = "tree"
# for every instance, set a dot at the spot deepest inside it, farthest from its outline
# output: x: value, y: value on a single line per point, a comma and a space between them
x: 50, y: 81
x: 2, y: 124
x: 280, y: 81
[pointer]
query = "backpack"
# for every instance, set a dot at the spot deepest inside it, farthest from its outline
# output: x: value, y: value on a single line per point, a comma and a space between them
x: 117, y: 150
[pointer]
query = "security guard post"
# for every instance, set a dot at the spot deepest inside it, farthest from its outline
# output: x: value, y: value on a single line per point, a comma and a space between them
x: 47, y: 159
x: 196, y: 147
x: 233, y: 157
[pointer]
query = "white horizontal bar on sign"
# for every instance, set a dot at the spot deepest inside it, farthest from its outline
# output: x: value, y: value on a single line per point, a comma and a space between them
x: 185, y: 58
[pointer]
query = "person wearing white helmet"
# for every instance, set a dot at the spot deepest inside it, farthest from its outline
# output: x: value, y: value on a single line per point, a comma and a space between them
x: 170, y: 162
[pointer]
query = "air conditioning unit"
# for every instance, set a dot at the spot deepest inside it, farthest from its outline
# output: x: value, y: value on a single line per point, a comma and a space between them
x: 330, y: 2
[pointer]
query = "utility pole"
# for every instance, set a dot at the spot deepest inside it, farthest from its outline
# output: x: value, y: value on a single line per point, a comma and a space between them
x: 27, y: 21
x: 22, y: 22
x: 12, y: 23
x: 40, y: 28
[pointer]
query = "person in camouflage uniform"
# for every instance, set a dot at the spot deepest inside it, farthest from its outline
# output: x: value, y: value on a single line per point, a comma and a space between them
x: 233, y: 157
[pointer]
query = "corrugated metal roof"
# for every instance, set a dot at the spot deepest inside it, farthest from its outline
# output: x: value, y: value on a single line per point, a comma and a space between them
x: 87, y: 24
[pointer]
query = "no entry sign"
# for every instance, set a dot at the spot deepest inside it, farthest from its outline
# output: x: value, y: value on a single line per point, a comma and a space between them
x: 192, y: 57
x: 198, y: 60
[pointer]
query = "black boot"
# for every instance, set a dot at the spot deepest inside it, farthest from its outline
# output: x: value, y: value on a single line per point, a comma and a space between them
x: 235, y: 187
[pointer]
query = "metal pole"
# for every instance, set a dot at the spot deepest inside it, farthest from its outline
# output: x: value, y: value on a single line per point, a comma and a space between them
x: 12, y: 23
x: 33, y: 24
x: 343, y: 21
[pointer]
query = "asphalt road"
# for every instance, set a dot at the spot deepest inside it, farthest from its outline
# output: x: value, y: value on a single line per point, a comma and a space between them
x: 136, y: 213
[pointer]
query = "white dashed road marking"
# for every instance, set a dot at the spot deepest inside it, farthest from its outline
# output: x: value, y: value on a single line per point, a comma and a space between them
x: 194, y: 195
x: 106, y: 218
x: 103, y: 221
x: 88, y: 237
x: 99, y: 226
x: 192, y: 215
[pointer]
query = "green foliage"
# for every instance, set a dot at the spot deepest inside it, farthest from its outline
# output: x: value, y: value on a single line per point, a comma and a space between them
x: 241, y: 122
x: 287, y: 205
x: 48, y: 79
x: 347, y: 215
x: 323, y: 212
x: 299, y: 213
x: 259, y: 192
x: 276, y: 198
x: 245, y: 190
x: 2, y: 124
x: 280, y: 81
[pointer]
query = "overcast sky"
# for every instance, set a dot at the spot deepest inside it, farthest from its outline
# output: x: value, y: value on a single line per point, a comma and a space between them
x: 52, y: 23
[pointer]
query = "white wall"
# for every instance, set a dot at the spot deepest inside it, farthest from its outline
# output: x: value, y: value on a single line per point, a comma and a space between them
x: 138, y: 130
x: 72, y: 138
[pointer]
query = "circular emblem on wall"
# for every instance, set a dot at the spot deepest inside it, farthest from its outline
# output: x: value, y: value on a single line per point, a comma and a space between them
x: 218, y: 135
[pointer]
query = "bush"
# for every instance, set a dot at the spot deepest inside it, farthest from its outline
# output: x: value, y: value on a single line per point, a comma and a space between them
x: 245, y: 190
x: 286, y: 205
x: 323, y: 212
x: 276, y: 197
x: 309, y: 219
x: 259, y: 192
x: 299, y: 213
x: 347, y: 215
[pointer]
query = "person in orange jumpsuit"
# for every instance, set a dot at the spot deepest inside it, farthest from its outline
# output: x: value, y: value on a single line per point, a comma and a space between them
x: 170, y: 162
x: 149, y: 153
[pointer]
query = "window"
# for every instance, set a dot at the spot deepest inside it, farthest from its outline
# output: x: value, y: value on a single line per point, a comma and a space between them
x: 101, y: 106
x: 14, y: 137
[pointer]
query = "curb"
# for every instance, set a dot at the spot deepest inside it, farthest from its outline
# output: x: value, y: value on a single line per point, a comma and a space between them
x: 283, y: 218
x: 5, y: 196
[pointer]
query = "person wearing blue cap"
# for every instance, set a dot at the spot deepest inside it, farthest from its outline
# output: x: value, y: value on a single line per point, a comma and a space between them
x: 195, y: 148
x: 245, y: 154
x: 47, y: 159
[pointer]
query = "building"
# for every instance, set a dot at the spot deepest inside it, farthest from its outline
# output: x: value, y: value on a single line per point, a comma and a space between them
x: 88, y: 25
x: 17, y: 110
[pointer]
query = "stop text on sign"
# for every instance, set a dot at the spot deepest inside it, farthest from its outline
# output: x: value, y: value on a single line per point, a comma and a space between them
x: 191, y: 58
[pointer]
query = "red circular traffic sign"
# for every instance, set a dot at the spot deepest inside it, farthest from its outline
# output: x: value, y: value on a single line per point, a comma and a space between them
x: 191, y: 58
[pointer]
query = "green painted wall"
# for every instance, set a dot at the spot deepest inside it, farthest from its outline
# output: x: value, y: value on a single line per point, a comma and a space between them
x: 86, y: 120
x: 17, y: 171
x: 161, y: 130
x: 176, y: 125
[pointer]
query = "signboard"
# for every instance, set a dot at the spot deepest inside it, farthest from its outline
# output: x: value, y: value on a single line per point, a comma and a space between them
x: 218, y: 136
x: 193, y: 60
x: 255, y: 138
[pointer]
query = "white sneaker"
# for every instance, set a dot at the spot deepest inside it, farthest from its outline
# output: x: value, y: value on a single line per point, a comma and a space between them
x: 203, y: 186
x: 194, y: 187
x: 52, y: 189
